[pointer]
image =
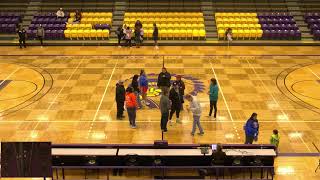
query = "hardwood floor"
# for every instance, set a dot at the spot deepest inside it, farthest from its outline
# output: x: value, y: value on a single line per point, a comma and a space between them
x: 66, y: 95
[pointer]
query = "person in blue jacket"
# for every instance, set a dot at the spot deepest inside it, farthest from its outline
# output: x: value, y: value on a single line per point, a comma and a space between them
x: 213, y: 96
x: 143, y: 84
x: 251, y: 129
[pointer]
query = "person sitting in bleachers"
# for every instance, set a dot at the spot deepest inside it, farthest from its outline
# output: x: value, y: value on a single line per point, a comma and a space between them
x: 218, y: 156
x: 60, y: 13
x: 78, y: 17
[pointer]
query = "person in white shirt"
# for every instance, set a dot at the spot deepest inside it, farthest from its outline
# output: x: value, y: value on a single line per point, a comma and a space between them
x: 195, y: 108
x: 60, y: 13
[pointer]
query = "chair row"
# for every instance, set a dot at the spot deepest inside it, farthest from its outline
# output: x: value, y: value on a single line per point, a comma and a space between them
x: 86, y: 34
x: 238, y: 20
x: 13, y: 20
x: 281, y: 35
x: 78, y: 26
x: 312, y: 15
x: 239, y: 26
x: 242, y: 34
x: 93, y: 20
x: 234, y: 15
x: 49, y: 34
x: 277, y: 21
x: 275, y: 14
x: 163, y: 14
x: 48, y: 26
x: 52, y: 20
x: 50, y: 15
x: 162, y: 20
x: 93, y: 14
x: 171, y: 26
x: 279, y: 27
x: 10, y: 15
x: 312, y: 21
x: 180, y: 34
x: 8, y: 28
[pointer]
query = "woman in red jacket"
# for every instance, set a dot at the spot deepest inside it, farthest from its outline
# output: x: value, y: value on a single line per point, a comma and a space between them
x: 131, y: 104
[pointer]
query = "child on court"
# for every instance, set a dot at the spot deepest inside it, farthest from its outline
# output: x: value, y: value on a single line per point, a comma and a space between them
x: 275, y: 138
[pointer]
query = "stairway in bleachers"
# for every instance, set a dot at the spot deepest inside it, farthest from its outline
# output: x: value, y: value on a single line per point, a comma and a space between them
x: 118, y: 16
x: 209, y: 22
x: 32, y: 9
x: 294, y: 9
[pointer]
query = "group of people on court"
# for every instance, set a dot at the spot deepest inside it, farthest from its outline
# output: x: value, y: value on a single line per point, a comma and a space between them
x: 171, y: 100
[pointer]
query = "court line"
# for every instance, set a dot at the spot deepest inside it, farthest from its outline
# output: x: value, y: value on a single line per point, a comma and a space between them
x: 155, y: 121
x: 277, y: 103
x: 313, y: 73
x: 57, y: 95
x: 150, y: 55
x: 102, y: 98
x: 155, y: 67
x: 3, y: 80
x: 224, y: 99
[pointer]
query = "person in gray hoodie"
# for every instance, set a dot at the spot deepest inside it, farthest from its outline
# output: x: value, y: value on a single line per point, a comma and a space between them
x: 164, y: 108
x: 195, y: 108
x: 40, y: 34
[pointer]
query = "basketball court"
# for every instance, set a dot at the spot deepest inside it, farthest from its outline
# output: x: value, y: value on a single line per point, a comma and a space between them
x: 66, y: 95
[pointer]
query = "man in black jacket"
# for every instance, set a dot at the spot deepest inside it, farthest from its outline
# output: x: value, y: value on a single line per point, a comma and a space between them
x: 176, y: 102
x: 120, y: 98
x: 164, y: 80
x: 22, y: 37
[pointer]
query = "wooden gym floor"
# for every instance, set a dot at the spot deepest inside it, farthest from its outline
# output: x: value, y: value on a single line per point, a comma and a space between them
x: 66, y: 94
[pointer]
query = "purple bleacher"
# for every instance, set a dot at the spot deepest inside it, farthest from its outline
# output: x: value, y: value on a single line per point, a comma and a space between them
x: 9, y: 22
x: 54, y: 27
x: 313, y: 21
x: 278, y: 25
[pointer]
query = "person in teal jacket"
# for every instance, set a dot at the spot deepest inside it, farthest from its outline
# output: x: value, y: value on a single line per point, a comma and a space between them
x: 213, y: 95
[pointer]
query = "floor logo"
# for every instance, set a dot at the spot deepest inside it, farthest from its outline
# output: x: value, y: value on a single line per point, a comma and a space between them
x: 193, y: 87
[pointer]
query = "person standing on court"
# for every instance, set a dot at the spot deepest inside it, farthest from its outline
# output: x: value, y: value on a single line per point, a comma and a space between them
x: 195, y: 108
x: 22, y: 37
x: 131, y: 104
x: 251, y: 129
x: 155, y: 35
x: 182, y: 87
x: 120, y: 98
x: 143, y: 85
x: 136, y: 89
x: 40, y: 34
x: 213, y: 96
x: 164, y: 80
x: 176, y: 103
x: 164, y: 108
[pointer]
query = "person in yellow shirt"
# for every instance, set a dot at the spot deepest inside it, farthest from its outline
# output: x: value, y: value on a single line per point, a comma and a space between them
x: 275, y: 138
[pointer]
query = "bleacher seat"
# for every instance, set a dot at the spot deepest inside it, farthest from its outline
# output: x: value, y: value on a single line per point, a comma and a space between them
x: 279, y: 26
x: 172, y: 25
x: 243, y: 25
x: 313, y: 21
